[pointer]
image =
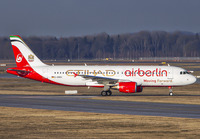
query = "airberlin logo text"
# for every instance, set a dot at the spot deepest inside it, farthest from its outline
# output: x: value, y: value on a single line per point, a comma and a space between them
x: 157, y: 72
x: 19, y: 58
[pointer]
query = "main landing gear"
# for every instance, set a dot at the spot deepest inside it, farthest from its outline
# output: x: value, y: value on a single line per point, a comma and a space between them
x: 106, y: 93
x: 170, y: 91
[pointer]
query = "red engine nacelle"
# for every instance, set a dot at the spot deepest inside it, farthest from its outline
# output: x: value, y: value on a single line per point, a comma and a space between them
x: 129, y: 87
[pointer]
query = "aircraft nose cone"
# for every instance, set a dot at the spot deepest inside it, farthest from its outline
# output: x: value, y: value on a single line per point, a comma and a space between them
x: 193, y: 79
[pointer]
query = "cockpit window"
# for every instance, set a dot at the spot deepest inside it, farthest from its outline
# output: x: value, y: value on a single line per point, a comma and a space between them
x: 184, y: 72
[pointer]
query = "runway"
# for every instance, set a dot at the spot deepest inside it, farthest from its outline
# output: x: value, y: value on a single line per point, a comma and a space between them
x: 84, y: 104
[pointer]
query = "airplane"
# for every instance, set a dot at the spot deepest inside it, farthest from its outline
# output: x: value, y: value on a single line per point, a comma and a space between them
x: 126, y: 79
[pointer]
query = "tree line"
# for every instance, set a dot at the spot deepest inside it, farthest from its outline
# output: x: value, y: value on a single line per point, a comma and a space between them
x: 101, y: 46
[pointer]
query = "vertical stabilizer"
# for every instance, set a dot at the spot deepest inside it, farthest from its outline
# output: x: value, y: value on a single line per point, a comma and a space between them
x: 24, y: 57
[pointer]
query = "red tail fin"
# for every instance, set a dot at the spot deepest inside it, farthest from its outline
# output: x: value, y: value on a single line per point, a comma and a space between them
x: 19, y: 58
x: 23, y: 55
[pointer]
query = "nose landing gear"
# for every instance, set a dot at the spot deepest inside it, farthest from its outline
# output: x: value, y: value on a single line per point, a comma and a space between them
x: 170, y: 91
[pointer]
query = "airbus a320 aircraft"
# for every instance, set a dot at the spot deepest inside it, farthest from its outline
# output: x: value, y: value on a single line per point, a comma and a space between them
x: 126, y: 79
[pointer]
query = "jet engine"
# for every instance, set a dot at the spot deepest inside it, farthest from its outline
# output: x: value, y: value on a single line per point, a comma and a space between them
x: 129, y: 87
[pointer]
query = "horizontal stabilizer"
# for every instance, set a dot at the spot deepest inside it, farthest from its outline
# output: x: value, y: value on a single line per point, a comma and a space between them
x: 20, y: 70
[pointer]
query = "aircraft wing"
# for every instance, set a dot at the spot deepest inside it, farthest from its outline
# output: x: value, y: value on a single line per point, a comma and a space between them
x: 102, y: 80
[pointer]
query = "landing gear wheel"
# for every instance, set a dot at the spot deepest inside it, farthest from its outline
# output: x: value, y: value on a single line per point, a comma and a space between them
x: 170, y: 93
x: 109, y: 93
x: 104, y: 93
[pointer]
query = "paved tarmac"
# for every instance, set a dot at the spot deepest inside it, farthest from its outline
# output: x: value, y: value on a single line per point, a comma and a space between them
x: 83, y: 104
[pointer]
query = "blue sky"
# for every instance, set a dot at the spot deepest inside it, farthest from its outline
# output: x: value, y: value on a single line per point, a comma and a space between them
x: 64, y: 18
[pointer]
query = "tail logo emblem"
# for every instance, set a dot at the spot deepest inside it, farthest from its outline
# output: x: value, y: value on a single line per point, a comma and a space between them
x: 31, y: 58
x: 19, y: 58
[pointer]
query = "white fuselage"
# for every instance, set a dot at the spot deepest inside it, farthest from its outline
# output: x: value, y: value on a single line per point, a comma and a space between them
x: 142, y: 75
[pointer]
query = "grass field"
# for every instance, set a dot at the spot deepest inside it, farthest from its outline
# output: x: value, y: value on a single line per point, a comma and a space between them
x: 35, y: 123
